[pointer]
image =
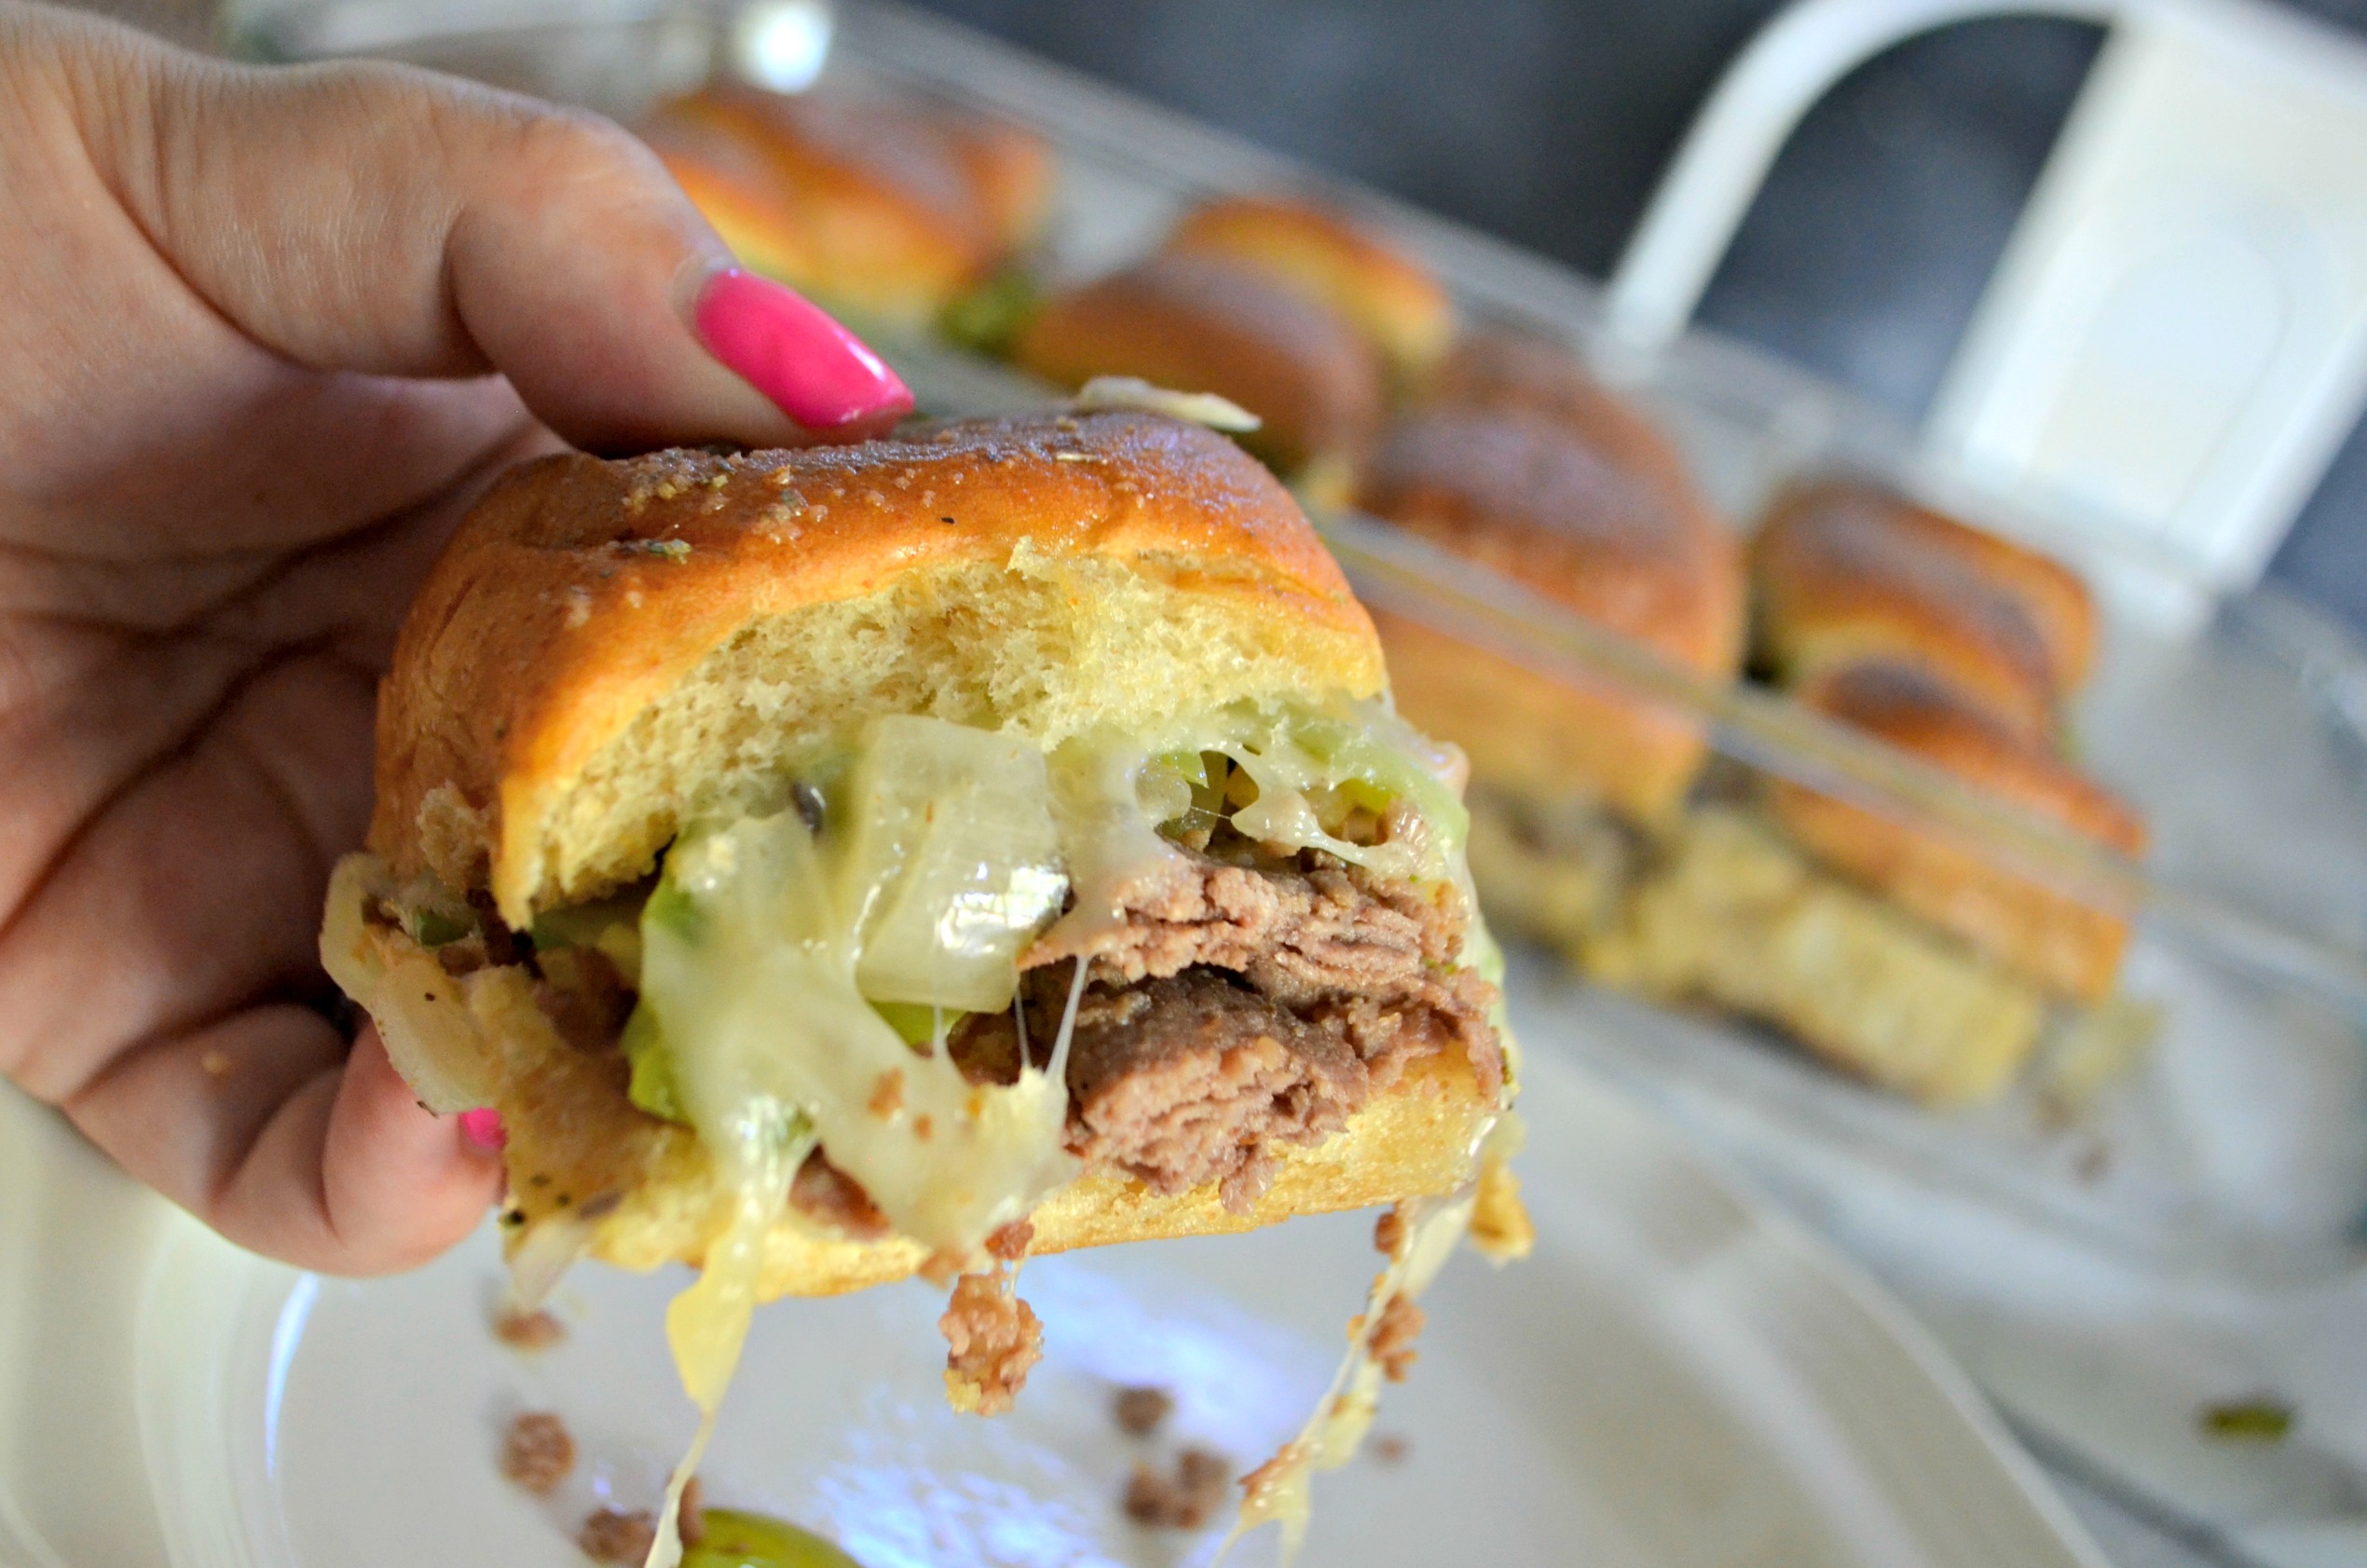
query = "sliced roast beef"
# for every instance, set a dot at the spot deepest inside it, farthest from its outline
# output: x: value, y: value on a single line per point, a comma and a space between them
x: 1192, y: 1078
x: 1299, y: 934
x: 1371, y: 960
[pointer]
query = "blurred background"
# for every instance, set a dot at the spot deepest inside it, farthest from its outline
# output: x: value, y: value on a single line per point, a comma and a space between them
x: 1549, y: 121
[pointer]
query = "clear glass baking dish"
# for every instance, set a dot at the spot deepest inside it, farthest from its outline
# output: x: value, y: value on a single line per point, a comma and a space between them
x: 2216, y: 1124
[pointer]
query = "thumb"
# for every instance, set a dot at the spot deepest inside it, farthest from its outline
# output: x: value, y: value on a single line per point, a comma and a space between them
x: 380, y: 219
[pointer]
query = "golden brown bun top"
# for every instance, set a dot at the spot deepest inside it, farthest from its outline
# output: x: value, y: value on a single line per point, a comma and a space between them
x: 1394, y: 300
x: 1611, y: 530
x: 1920, y: 714
x: 1206, y: 323
x: 1827, y: 545
x: 605, y: 648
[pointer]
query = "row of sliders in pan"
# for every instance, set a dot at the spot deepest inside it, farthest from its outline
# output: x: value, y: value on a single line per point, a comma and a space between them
x: 1600, y: 824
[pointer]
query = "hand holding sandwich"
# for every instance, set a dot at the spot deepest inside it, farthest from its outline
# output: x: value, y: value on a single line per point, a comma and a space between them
x: 265, y: 334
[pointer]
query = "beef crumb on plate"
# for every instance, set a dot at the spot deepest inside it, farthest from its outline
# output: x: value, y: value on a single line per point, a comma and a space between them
x: 610, y: 1537
x: 1185, y: 1500
x: 1139, y: 1411
x: 537, y: 1451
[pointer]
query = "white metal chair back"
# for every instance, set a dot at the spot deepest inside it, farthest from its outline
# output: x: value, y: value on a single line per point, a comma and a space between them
x: 2175, y: 342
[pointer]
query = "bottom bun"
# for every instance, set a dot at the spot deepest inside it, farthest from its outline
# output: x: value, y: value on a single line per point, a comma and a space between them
x: 1416, y: 1140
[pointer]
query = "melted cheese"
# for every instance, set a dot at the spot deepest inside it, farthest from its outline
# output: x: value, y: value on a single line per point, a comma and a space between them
x: 1282, y: 1491
x: 749, y: 963
x: 706, y: 1326
x: 944, y: 852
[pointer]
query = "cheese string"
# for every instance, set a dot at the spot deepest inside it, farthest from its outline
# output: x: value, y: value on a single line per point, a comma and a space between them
x: 1336, y: 1429
x: 1059, y: 1070
x: 708, y: 1325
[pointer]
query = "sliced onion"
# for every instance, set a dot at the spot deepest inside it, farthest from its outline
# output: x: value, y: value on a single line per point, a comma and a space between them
x: 952, y: 863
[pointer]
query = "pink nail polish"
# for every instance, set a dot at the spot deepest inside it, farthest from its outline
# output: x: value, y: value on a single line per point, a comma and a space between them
x: 784, y: 346
x: 484, y: 1128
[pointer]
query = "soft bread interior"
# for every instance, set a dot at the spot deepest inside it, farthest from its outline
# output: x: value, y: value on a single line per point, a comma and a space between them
x: 1045, y: 647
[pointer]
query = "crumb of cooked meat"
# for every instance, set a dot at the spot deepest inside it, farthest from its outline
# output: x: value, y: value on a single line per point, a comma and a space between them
x: 992, y: 1338
x: 1501, y: 1226
x: 1258, y: 1485
x: 821, y: 1191
x: 527, y: 1330
x: 1388, y: 1233
x: 1187, y: 1500
x: 584, y: 995
x: 1390, y: 1448
x: 1140, y: 1411
x: 537, y: 1452
x: 689, y: 1515
x: 1393, y: 1337
x: 610, y: 1537
x: 1010, y: 1242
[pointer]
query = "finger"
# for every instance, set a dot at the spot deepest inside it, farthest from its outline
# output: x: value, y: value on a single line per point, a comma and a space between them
x: 379, y: 219
x: 194, y: 888
x: 398, y: 1184
x: 193, y: 891
x: 304, y: 1151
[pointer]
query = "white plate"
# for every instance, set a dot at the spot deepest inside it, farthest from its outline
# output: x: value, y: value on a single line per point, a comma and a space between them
x: 1675, y: 1378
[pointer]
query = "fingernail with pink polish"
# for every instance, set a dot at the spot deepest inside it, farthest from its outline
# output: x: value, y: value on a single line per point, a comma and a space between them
x: 786, y: 346
x: 483, y: 1127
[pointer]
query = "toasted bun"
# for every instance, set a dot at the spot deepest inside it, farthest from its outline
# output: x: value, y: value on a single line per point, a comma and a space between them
x: 1396, y: 302
x: 1204, y: 325
x: 2068, y: 945
x: 1608, y: 530
x: 606, y: 648
x: 886, y: 211
x: 649, y: 1191
x: 1845, y: 573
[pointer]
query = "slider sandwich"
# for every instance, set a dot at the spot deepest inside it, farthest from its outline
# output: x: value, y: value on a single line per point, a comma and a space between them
x: 1394, y: 302
x: 1893, y: 951
x: 1889, y: 947
x: 1846, y: 574
x: 1519, y: 461
x: 841, y: 864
